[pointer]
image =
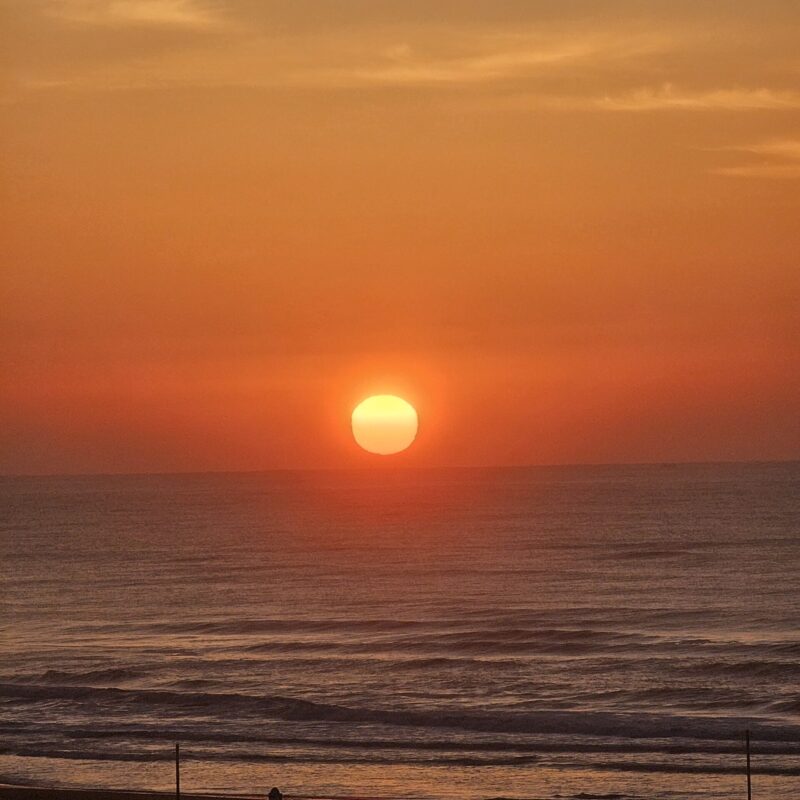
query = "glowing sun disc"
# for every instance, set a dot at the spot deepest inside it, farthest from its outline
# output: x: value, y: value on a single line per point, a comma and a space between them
x: 384, y: 424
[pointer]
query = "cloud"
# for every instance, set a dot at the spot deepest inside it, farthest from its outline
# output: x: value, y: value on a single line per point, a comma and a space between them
x: 342, y: 62
x: 760, y: 171
x: 129, y: 13
x: 492, y: 58
x: 782, y: 148
x: 782, y: 160
x: 165, y: 44
x: 667, y: 97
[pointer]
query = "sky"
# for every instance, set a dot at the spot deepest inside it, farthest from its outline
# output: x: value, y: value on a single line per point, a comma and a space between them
x: 566, y: 232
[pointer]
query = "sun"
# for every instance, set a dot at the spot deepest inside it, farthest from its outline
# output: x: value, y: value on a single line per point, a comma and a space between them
x: 384, y: 424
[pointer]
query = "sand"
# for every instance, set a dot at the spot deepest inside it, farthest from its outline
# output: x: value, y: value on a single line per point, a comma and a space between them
x: 42, y: 793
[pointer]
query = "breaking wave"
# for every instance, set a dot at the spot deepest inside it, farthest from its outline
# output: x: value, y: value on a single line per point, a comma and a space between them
x: 589, y: 723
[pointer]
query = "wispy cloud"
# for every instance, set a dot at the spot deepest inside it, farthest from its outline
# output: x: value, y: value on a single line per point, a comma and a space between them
x: 779, y: 171
x: 341, y: 62
x: 489, y: 59
x: 668, y: 97
x: 572, y: 68
x: 780, y: 148
x: 122, y: 13
x: 781, y: 160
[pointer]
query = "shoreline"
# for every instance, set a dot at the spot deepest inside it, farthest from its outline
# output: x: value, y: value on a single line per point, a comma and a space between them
x: 10, y: 791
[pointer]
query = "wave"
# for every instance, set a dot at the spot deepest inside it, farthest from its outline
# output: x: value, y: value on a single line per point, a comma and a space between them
x: 478, y: 642
x: 777, y: 670
x: 224, y: 706
x: 695, y: 697
x: 166, y: 755
x: 521, y: 642
x: 455, y: 637
x: 699, y: 769
x: 791, y: 706
x: 56, y: 676
x: 441, y: 662
x: 784, y: 648
x: 514, y: 744
x: 247, y: 627
x: 311, y: 656
x: 277, y: 758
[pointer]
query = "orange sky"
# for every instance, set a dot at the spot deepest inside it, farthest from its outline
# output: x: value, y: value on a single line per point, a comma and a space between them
x: 565, y: 231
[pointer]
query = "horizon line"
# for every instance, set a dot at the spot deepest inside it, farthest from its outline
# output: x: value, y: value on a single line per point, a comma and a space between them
x: 402, y: 468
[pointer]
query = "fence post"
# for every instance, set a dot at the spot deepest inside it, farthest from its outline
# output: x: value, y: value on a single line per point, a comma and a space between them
x: 747, y: 743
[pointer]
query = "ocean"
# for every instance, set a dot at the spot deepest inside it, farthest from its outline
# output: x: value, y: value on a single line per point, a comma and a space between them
x: 548, y: 632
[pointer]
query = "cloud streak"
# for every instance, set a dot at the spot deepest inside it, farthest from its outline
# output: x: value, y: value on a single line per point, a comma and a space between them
x: 782, y: 160
x: 493, y: 59
x: 668, y: 97
x: 135, y: 13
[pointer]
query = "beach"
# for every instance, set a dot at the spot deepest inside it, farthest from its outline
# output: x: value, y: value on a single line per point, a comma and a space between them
x: 43, y: 793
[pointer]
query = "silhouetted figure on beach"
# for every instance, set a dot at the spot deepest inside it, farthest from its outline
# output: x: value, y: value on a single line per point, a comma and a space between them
x: 275, y: 794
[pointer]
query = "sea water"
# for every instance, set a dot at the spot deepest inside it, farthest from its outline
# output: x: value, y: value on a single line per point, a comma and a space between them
x: 464, y: 633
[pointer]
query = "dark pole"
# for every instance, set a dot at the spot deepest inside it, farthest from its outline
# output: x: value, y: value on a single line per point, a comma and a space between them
x: 747, y: 742
x: 177, y: 771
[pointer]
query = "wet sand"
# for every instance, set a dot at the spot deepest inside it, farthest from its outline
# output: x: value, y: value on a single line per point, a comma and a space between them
x: 8, y: 792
